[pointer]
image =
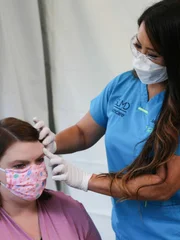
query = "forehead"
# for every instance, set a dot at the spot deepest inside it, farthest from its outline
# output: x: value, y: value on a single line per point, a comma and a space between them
x: 23, y: 151
x: 143, y: 37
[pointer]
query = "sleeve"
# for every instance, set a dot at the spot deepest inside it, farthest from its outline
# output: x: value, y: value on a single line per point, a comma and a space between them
x: 75, y: 212
x: 99, y: 105
x: 92, y: 232
x: 177, y: 152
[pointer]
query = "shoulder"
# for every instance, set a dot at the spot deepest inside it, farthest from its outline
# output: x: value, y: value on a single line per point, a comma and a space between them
x: 125, y: 78
x: 63, y: 200
x: 125, y: 82
x: 71, y: 211
x: 121, y: 81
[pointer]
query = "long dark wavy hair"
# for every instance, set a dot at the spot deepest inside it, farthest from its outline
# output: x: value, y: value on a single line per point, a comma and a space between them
x: 14, y: 130
x: 162, y: 24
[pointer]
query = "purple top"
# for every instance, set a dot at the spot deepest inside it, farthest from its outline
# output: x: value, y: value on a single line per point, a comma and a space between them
x: 60, y: 218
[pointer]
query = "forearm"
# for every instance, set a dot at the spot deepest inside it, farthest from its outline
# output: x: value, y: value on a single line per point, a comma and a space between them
x: 70, y: 140
x: 103, y: 185
x: 82, y: 135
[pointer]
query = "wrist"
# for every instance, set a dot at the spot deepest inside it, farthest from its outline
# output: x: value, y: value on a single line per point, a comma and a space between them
x: 92, y: 184
x: 85, y: 181
x: 55, y: 147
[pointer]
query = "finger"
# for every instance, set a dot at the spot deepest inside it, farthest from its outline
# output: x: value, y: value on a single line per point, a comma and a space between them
x: 35, y: 119
x: 48, y: 154
x: 55, y: 161
x: 144, y: 180
x: 148, y: 179
x: 161, y: 172
x: 62, y: 177
x: 43, y: 133
x: 39, y: 125
x: 58, y: 170
x: 49, y: 139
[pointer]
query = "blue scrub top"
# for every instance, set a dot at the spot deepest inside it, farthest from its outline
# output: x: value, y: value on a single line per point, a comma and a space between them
x: 123, y: 109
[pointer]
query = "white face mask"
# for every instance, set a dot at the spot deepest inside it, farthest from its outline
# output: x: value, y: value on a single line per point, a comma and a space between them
x: 147, y: 71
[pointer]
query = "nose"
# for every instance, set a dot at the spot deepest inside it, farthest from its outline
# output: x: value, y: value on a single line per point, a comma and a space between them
x: 143, y: 51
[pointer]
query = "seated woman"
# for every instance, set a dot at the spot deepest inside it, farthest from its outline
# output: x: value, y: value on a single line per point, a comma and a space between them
x: 28, y: 211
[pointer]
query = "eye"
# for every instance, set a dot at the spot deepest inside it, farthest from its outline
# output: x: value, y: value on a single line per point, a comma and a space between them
x: 152, y: 56
x: 20, y: 166
x: 40, y: 160
x: 137, y: 46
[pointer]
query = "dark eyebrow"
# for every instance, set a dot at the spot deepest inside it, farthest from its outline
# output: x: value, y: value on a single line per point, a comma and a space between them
x: 147, y: 48
x: 19, y: 162
x: 25, y: 161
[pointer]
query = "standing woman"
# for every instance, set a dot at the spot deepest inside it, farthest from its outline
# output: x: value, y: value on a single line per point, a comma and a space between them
x: 139, y: 114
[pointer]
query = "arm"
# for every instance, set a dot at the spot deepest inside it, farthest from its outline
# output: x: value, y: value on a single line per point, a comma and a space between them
x: 89, y: 133
x: 91, y: 230
x: 81, y: 136
x: 102, y: 185
x: 78, y: 137
x: 77, y: 178
x: 162, y: 191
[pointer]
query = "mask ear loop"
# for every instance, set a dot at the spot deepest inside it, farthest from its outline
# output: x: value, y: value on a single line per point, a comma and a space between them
x: 0, y: 191
x: 2, y: 169
x: 0, y: 200
x: 1, y: 183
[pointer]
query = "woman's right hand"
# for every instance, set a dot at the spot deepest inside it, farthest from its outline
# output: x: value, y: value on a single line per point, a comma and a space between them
x: 67, y: 172
x: 46, y: 135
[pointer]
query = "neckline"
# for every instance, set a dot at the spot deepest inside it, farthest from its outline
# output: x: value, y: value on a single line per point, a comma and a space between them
x: 144, y: 95
x: 17, y: 225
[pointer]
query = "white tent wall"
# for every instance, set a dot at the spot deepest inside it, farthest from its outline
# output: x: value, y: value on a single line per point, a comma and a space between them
x: 89, y: 44
x: 22, y: 74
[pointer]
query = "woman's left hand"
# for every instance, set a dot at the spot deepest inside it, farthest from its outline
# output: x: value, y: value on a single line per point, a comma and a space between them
x: 45, y: 135
x: 165, y: 187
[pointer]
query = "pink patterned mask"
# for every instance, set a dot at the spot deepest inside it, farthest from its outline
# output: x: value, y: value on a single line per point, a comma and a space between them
x: 27, y: 183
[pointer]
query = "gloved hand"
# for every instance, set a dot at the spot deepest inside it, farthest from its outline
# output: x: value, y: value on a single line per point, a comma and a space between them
x: 46, y: 134
x: 65, y: 171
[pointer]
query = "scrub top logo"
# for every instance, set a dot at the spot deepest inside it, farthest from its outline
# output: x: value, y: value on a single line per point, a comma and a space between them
x: 120, y: 107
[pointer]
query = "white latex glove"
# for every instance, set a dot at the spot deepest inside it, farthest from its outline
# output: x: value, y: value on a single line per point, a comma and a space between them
x: 65, y: 171
x: 46, y: 134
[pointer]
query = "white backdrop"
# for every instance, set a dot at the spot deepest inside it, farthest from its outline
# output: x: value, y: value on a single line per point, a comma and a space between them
x: 22, y: 73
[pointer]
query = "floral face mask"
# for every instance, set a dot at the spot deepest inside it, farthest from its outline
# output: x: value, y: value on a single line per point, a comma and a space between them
x: 27, y: 183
